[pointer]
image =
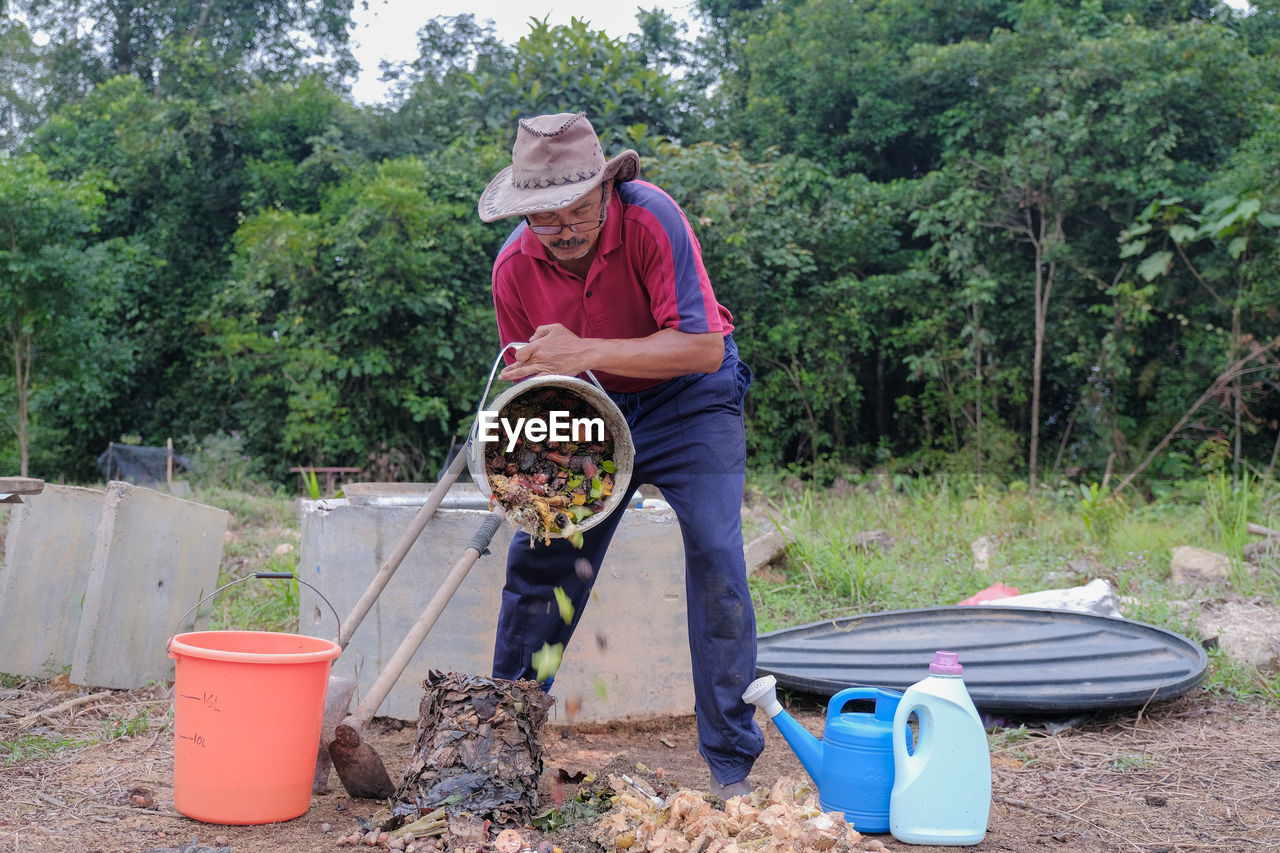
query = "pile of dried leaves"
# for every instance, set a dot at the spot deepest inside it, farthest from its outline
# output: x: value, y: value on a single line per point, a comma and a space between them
x: 477, y: 749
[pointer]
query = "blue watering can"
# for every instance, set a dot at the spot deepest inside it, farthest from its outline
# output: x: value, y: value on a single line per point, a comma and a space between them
x: 853, y: 763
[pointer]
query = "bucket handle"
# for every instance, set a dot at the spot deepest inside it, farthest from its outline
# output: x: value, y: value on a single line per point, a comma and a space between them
x: 264, y: 576
x: 484, y: 397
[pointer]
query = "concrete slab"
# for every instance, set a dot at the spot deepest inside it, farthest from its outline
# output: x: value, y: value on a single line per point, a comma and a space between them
x: 629, y: 659
x: 47, y: 553
x: 154, y: 557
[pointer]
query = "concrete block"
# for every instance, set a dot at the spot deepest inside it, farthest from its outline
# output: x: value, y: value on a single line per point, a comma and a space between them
x: 47, y: 554
x: 629, y: 659
x: 154, y: 557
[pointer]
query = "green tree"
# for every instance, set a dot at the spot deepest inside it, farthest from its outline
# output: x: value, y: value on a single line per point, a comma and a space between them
x: 832, y: 80
x: 188, y: 45
x: 795, y: 255
x: 1046, y: 154
x: 432, y: 96
x: 952, y: 349
x: 184, y: 173
x: 19, y: 84
x: 1228, y: 248
x: 559, y: 69
x: 368, y: 323
x: 44, y: 225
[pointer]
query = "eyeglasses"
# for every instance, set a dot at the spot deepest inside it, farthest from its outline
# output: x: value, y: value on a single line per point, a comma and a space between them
x: 575, y: 227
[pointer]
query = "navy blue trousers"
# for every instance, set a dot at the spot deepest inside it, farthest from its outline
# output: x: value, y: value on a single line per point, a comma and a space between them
x: 689, y: 440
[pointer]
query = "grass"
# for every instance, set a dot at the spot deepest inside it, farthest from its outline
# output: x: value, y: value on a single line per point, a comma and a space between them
x: 1127, y: 762
x: 1057, y: 539
x: 263, y: 536
x: 122, y: 727
x: 1012, y: 743
x: 39, y: 746
x: 1230, y: 677
x: 26, y: 747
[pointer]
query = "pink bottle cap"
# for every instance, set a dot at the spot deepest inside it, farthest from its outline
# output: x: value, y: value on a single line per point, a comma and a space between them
x: 946, y: 663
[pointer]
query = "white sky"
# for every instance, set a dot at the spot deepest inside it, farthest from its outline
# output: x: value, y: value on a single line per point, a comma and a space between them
x: 388, y: 29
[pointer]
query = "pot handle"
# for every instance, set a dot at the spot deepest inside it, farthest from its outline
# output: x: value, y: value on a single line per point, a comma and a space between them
x: 493, y: 371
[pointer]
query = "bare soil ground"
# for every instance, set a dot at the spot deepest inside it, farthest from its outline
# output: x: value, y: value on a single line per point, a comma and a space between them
x: 1195, y: 773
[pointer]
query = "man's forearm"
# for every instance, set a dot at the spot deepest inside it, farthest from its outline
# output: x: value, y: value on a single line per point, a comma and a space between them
x: 662, y: 355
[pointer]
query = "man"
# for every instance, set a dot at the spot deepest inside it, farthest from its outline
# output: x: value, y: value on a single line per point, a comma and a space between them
x: 605, y: 274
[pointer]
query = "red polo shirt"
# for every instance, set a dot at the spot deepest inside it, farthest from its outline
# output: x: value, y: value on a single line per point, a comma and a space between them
x: 647, y: 275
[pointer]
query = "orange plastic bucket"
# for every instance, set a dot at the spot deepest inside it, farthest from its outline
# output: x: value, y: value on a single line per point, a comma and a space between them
x: 247, y: 714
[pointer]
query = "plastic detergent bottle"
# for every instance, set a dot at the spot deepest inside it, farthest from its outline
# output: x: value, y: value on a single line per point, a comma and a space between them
x: 941, y: 788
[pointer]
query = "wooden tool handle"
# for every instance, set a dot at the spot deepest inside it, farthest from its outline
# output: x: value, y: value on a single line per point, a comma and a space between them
x: 395, y: 667
x: 380, y: 580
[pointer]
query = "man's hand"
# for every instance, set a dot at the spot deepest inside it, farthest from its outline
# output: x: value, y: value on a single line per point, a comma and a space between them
x: 662, y: 355
x: 551, y: 349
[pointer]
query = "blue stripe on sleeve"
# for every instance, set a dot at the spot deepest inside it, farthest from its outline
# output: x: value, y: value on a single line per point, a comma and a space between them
x: 691, y: 304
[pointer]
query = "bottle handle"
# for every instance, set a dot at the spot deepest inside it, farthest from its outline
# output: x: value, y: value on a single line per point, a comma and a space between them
x: 910, y: 745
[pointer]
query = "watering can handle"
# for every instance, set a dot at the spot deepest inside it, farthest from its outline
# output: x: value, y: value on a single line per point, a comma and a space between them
x: 265, y: 576
x: 838, y: 701
x: 484, y: 397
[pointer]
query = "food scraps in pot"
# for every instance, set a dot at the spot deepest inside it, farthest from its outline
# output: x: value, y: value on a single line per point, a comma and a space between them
x: 550, y: 487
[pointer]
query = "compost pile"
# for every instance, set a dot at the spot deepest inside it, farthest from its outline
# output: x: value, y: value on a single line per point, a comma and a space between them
x: 780, y: 819
x: 477, y: 754
x: 550, y: 487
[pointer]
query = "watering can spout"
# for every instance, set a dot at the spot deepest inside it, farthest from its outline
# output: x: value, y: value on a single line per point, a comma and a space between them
x: 763, y: 693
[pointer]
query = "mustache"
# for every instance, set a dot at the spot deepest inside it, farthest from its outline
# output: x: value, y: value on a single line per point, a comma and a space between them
x: 571, y: 243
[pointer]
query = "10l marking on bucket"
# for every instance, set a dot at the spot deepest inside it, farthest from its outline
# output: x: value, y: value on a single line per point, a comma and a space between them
x: 198, y: 740
x: 208, y: 700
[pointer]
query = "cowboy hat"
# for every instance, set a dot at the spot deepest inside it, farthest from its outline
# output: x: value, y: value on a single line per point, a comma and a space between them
x: 555, y: 161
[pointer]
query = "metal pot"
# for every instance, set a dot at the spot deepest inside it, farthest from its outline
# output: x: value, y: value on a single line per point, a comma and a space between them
x: 594, y: 395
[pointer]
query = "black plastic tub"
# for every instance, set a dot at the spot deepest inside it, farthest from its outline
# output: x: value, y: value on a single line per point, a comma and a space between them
x: 1019, y: 660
